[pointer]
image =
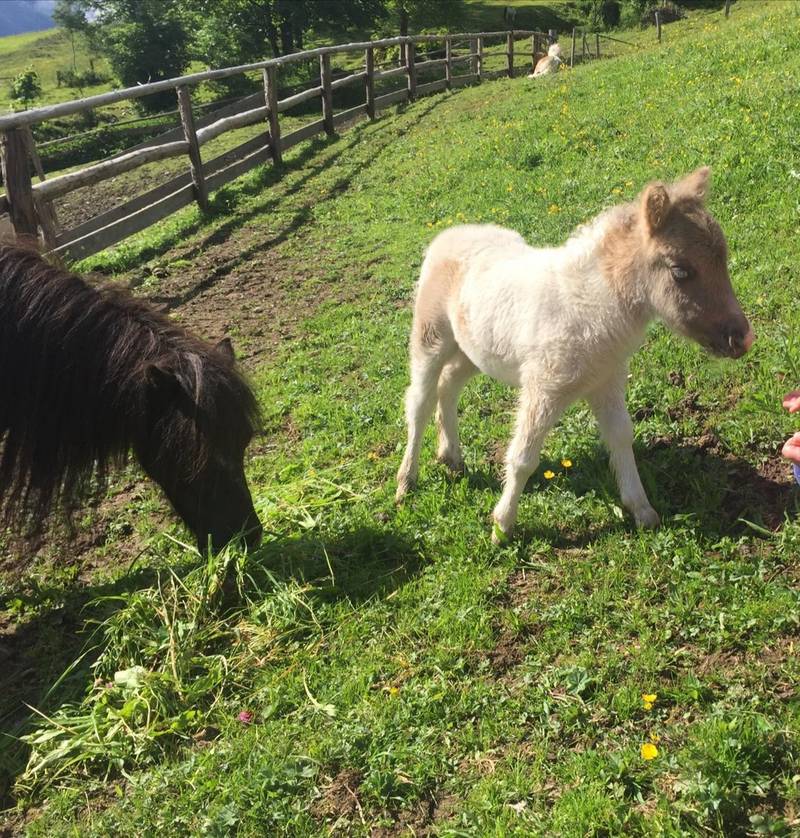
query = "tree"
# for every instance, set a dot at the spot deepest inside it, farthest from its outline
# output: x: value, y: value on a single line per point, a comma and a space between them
x: 26, y: 87
x: 70, y: 16
x: 145, y: 41
x: 229, y: 32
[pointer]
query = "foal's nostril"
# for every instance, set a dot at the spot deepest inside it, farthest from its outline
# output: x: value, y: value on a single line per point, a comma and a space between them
x: 740, y: 340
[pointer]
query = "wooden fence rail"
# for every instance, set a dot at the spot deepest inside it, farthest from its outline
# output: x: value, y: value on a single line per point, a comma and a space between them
x: 30, y: 205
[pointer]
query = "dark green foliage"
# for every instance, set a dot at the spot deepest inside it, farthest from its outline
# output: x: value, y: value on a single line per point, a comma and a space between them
x: 145, y: 41
x: 26, y: 87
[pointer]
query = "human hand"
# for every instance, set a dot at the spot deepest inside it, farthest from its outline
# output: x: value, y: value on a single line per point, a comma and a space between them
x: 791, y: 401
x: 791, y: 448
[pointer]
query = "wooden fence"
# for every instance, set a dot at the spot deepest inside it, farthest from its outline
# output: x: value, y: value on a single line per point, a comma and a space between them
x: 30, y: 205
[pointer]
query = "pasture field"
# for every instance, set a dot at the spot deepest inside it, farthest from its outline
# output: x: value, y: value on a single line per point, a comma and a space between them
x: 386, y: 671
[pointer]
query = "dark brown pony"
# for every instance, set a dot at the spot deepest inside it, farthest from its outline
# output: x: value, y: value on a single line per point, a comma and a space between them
x: 87, y: 375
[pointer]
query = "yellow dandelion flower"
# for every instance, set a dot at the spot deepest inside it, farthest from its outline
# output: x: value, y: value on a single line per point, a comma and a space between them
x: 510, y: 187
x: 553, y: 209
x: 566, y: 462
x: 372, y: 456
x: 648, y: 751
x: 393, y: 691
x: 648, y: 699
x: 549, y: 475
x: 654, y: 737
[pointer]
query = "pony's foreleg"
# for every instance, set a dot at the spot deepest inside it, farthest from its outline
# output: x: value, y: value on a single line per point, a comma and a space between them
x: 456, y: 373
x: 426, y: 366
x: 538, y: 412
x: 616, y: 429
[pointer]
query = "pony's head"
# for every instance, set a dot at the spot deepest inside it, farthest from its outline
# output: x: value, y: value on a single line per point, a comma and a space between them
x: 671, y: 254
x: 200, y: 417
x: 554, y: 51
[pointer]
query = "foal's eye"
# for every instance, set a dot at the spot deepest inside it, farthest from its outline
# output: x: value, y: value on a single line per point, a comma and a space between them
x: 679, y: 273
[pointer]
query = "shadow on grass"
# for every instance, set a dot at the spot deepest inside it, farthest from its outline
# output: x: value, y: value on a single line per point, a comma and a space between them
x: 721, y: 490
x: 720, y: 493
x: 355, y: 566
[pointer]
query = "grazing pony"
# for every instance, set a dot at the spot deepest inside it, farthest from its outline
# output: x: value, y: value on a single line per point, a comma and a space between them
x: 88, y: 374
x: 561, y: 323
x: 548, y: 63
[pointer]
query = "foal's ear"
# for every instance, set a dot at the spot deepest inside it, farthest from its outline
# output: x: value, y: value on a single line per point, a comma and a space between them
x: 695, y: 185
x: 655, y: 206
x: 225, y: 348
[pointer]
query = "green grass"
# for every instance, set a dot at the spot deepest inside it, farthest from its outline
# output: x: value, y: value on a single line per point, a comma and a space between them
x: 401, y: 672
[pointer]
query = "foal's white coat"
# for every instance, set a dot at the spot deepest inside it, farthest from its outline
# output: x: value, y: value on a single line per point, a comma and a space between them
x: 561, y: 324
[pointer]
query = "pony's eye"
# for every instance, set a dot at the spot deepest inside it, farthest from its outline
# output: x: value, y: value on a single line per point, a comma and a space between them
x: 679, y: 273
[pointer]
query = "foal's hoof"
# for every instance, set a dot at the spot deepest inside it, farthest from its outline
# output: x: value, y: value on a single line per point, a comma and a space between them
x: 647, y: 518
x: 499, y: 536
x: 454, y: 464
x: 403, y: 488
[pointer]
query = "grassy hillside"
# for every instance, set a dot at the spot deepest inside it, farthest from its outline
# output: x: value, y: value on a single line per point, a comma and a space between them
x: 47, y: 52
x: 385, y: 671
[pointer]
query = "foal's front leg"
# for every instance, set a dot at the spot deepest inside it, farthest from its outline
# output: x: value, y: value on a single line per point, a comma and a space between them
x: 538, y: 412
x: 616, y: 429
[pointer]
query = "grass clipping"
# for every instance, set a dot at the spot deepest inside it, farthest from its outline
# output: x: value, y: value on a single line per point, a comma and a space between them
x: 173, y: 654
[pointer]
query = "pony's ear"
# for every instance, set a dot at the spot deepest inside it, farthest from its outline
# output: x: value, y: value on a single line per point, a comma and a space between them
x: 164, y: 382
x: 655, y: 206
x: 695, y: 185
x: 225, y: 347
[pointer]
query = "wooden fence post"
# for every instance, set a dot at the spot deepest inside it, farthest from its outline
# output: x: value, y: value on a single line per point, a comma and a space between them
x: 572, y: 53
x: 190, y: 133
x: 478, y: 42
x: 584, y: 49
x: 271, y: 101
x: 597, y: 44
x: 658, y: 26
x: 369, y: 81
x: 327, y: 94
x: 48, y: 219
x: 448, y: 63
x: 510, y: 53
x: 727, y: 7
x: 411, y: 70
x: 17, y: 179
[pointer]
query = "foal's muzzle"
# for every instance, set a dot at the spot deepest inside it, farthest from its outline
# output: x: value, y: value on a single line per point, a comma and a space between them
x: 738, y: 340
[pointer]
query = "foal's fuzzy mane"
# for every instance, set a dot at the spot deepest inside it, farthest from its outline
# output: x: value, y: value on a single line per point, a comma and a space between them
x: 75, y: 390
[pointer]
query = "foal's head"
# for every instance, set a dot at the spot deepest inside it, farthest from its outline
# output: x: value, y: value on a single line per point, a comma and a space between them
x: 200, y: 417
x: 667, y: 251
x: 684, y: 259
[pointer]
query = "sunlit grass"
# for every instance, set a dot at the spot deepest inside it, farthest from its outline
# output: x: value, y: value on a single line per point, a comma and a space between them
x: 396, y: 647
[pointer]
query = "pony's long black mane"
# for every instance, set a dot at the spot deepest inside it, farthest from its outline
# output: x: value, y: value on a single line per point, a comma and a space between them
x: 75, y: 391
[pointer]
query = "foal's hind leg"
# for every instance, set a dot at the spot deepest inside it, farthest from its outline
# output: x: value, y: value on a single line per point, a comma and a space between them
x: 427, y: 362
x: 456, y: 373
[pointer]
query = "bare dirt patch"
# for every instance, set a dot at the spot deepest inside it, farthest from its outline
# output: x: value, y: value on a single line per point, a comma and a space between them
x: 340, y: 797
x: 340, y: 805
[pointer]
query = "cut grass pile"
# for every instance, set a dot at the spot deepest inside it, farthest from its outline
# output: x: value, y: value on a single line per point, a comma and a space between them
x: 384, y: 671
